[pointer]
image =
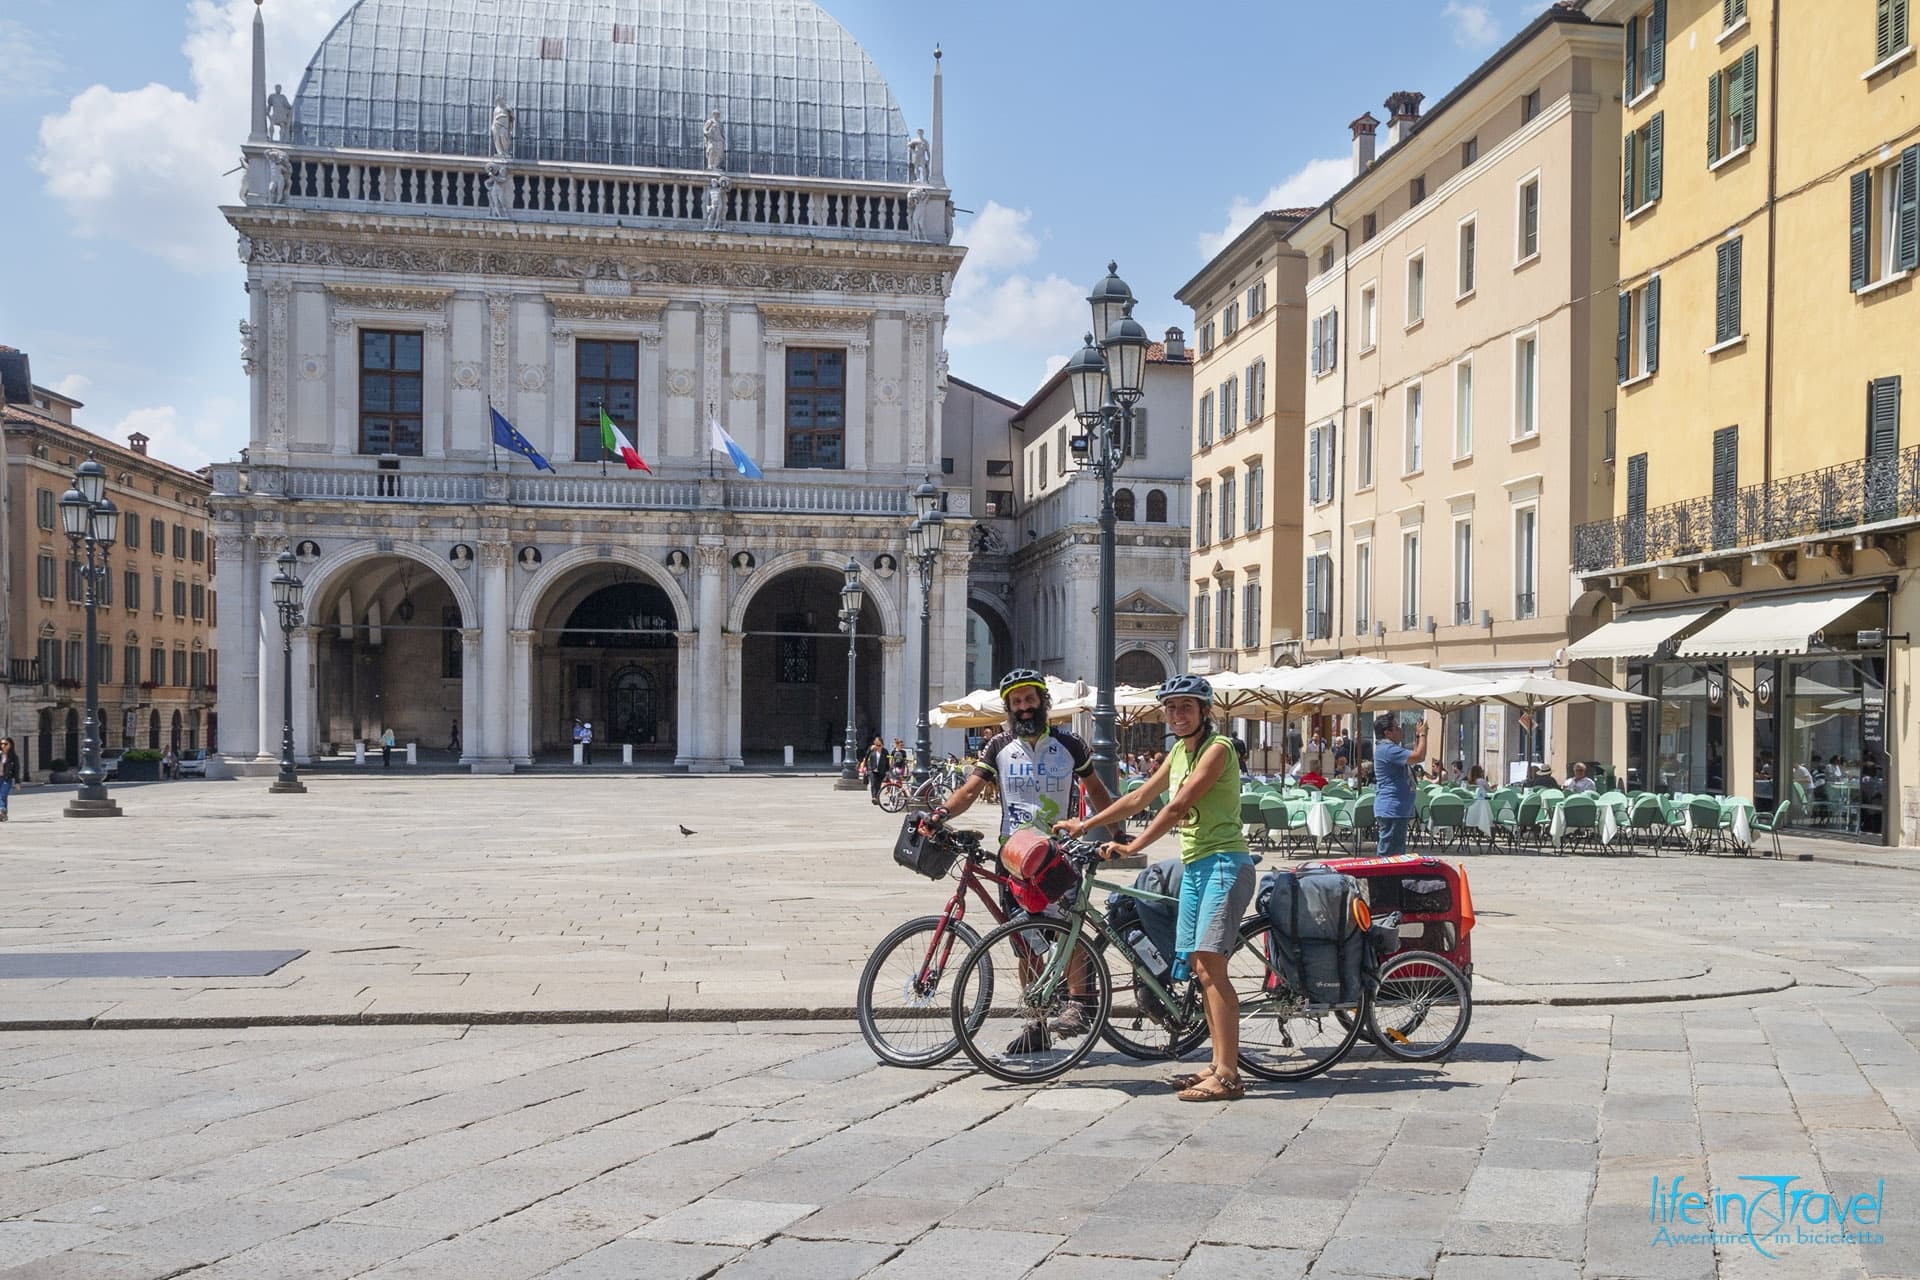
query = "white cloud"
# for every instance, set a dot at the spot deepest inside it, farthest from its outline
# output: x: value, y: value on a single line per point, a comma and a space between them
x: 1004, y: 316
x: 1305, y: 187
x: 74, y: 385
x: 998, y: 239
x: 215, y: 429
x: 27, y: 69
x: 1474, y: 26
x: 1055, y: 364
x: 148, y: 165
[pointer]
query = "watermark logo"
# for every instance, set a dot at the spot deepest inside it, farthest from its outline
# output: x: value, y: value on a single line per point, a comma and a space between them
x: 1767, y: 1212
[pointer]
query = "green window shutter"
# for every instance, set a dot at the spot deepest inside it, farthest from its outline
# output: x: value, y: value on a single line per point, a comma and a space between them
x: 1749, y: 96
x: 1313, y: 594
x: 1861, y: 202
x: 1891, y: 14
x: 1726, y: 309
x: 1633, y: 39
x: 1626, y: 171
x: 1713, y: 117
x: 1731, y: 11
x: 1623, y: 349
x: 1906, y: 223
x: 1883, y: 418
x: 1657, y: 43
x: 1637, y: 485
x: 1652, y: 306
x: 1898, y: 37
x: 1651, y: 181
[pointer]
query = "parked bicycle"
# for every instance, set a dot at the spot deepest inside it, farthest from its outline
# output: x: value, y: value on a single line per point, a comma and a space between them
x: 899, y: 792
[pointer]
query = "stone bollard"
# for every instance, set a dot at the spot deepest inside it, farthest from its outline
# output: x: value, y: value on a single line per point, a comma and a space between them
x: 837, y: 756
x: 626, y: 753
x: 413, y: 754
x: 359, y: 753
x: 789, y: 757
x: 579, y: 753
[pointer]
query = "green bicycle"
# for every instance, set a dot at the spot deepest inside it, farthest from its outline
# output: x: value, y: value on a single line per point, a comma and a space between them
x: 1035, y: 995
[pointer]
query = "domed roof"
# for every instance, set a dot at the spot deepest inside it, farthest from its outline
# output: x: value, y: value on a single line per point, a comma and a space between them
x: 625, y: 82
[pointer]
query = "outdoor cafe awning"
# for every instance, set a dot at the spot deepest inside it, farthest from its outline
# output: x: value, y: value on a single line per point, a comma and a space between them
x: 1771, y: 626
x: 1635, y: 636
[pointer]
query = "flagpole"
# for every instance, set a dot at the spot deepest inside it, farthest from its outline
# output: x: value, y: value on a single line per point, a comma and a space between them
x: 711, y: 416
x: 490, y: 436
x: 601, y: 405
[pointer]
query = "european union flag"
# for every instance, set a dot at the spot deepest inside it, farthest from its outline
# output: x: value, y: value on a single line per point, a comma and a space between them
x: 508, y: 436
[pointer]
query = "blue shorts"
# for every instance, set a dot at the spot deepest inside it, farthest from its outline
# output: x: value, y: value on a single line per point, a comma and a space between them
x: 1215, y: 892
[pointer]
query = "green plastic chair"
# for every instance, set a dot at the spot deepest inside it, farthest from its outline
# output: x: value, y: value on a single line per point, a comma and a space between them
x: 1704, y: 811
x: 1646, y: 813
x: 1762, y: 824
x: 1580, y: 819
x: 1446, y: 821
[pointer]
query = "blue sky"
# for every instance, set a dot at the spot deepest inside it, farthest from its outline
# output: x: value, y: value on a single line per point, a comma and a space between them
x: 1145, y: 132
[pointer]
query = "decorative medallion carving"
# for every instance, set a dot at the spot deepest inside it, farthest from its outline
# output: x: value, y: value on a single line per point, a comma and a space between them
x: 531, y: 377
x: 313, y: 368
x: 466, y: 375
x: 744, y: 386
x: 887, y: 390
x: 679, y: 382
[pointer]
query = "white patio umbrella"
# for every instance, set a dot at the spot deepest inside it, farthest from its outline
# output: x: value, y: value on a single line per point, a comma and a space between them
x: 983, y: 708
x: 1532, y: 693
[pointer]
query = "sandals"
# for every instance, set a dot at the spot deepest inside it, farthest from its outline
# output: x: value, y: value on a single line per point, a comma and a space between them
x: 1189, y: 1079
x: 1214, y: 1089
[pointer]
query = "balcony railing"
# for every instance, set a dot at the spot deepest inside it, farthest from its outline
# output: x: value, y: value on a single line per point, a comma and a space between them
x: 1462, y: 612
x: 599, y: 491
x: 1849, y: 496
x: 1525, y: 604
x: 23, y: 671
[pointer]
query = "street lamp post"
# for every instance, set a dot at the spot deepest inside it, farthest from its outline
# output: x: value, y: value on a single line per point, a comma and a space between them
x: 851, y: 598
x: 923, y: 544
x: 288, y: 596
x: 1108, y: 379
x: 89, y: 518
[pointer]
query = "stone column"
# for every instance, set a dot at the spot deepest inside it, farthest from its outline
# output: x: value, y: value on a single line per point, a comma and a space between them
x: 238, y: 700
x: 898, y: 710
x: 269, y: 642
x: 497, y: 682
x: 434, y: 427
x: 346, y: 387
x: 470, y: 690
x: 560, y: 443
x: 650, y: 436
x: 773, y: 433
x: 303, y: 695
x: 686, y: 678
x: 708, y: 749
x: 731, y: 714
x: 857, y: 424
x: 520, y: 713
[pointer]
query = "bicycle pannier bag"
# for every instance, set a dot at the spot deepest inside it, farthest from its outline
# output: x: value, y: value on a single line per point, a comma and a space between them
x: 929, y: 855
x: 1319, y: 930
x: 1041, y: 873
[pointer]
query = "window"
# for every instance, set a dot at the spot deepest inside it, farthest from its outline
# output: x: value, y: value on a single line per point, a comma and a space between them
x: 180, y: 668
x: 104, y: 664
x: 1256, y: 391
x: 159, y: 594
x: 1060, y: 450
x: 1463, y: 409
x: 1319, y: 479
x: 1257, y: 494
x: 1250, y: 614
x: 1410, y: 580
x: 1731, y: 120
x: 198, y: 663
x: 1469, y: 244
x: 1726, y: 485
x: 76, y: 660
x: 1230, y: 320
x: 1646, y: 50
x: 48, y: 577
x: 1206, y: 419
x: 1726, y: 300
x: 130, y: 533
x: 1637, y: 347
x: 389, y: 394
x: 1363, y: 586
x: 76, y: 588
x: 999, y: 467
x: 1526, y: 386
x: 816, y: 408
x: 1326, y: 259
x: 1528, y: 241
x: 105, y: 589
x: 1640, y: 165
x: 158, y: 541
x: 1369, y: 226
x: 1206, y: 338
x: 157, y: 665
x: 43, y: 507
x: 1319, y: 599
x: 179, y: 542
x: 1416, y: 289
x: 1462, y: 572
x: 132, y: 588
x: 179, y: 599
x: 1202, y: 515
x: 1885, y: 217
x: 1223, y: 614
x: 1369, y: 318
x: 1045, y: 474
x: 1415, y: 431
x: 197, y: 609
x: 1156, y: 506
x: 1526, y: 561
x: 130, y: 664
x: 1529, y: 106
x: 1732, y: 12
x: 1229, y: 406
x: 1202, y: 616
x: 1883, y: 448
x: 1136, y: 442
x: 1363, y: 453
x: 1889, y: 29
x: 1417, y: 190
x: 1228, y: 492
x: 1123, y: 506
x: 198, y: 546
x: 1324, y: 334
x: 1256, y: 298
x: 999, y: 502
x: 1469, y: 152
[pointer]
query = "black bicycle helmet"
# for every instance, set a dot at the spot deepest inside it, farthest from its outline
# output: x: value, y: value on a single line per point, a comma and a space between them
x: 1020, y: 676
x: 1033, y: 723
x: 1186, y: 686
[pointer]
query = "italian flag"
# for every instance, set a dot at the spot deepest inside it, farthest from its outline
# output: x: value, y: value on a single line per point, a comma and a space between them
x: 616, y: 443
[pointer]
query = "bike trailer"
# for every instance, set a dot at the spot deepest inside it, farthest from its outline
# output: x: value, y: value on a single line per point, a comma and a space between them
x: 1436, y: 909
x: 1318, y: 923
x: 1041, y: 874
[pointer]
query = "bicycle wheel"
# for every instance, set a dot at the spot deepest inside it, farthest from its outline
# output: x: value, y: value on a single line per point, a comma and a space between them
x: 903, y: 1007
x: 1140, y: 1024
x: 1029, y: 1032
x: 1284, y: 1036
x: 893, y: 798
x: 1421, y: 1009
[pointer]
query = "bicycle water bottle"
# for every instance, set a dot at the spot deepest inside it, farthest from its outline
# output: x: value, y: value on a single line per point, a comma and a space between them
x: 1148, y: 953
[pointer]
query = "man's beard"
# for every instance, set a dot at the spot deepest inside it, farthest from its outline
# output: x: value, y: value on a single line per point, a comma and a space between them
x: 1029, y: 724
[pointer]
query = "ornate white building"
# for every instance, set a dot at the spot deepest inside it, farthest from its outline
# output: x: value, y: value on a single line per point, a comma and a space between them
x: 669, y: 210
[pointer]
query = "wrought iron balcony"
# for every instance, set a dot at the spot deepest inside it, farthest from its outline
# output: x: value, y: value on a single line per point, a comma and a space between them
x: 1849, y: 496
x: 23, y: 671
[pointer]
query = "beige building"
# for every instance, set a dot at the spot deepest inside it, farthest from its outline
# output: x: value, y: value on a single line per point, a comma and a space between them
x: 1249, y: 309
x: 1460, y: 335
x: 157, y: 668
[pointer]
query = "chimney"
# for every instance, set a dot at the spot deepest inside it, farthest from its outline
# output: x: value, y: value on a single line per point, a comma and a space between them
x: 1176, y: 344
x: 1363, y: 131
x: 1403, y: 110
x: 16, y: 377
x: 137, y: 442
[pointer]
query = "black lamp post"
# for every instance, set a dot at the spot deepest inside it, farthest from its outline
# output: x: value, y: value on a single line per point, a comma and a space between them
x: 1107, y: 379
x: 89, y: 518
x: 923, y: 544
x: 851, y: 598
x: 288, y: 596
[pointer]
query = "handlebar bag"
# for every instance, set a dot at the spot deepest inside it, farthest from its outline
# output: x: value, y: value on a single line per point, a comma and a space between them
x: 1037, y: 866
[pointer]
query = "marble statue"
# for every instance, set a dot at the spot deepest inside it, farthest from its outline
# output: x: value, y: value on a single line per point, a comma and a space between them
x: 279, y: 116
x: 716, y: 202
x: 248, y: 351
x: 502, y: 129
x: 919, y: 161
x: 715, y: 138
x: 279, y: 177
x: 499, y: 189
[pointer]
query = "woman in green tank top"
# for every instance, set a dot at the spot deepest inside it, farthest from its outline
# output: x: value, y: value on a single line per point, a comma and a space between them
x: 1202, y: 775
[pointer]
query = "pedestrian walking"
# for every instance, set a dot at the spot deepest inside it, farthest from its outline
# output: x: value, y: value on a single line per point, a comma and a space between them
x: 453, y: 738
x: 586, y: 742
x: 9, y: 774
x: 876, y: 767
x: 386, y: 747
x: 169, y: 762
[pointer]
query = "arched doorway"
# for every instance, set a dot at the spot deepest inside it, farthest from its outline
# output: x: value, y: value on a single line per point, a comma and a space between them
x: 173, y: 738
x: 1142, y: 670
x: 613, y: 661
x: 387, y: 653
x: 46, y: 740
x: 793, y: 668
x: 72, y: 753
x: 153, y: 730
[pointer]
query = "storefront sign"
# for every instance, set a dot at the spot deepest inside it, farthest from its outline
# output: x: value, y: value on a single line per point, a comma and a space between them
x: 1873, y: 720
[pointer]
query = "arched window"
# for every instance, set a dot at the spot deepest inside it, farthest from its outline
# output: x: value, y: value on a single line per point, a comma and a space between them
x: 1123, y: 504
x: 173, y: 740
x: 72, y: 754
x: 153, y: 731
x: 46, y: 739
x: 1156, y: 506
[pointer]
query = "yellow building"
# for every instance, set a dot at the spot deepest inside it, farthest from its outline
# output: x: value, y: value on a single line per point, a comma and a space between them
x: 1249, y: 308
x: 1756, y: 565
x: 157, y: 669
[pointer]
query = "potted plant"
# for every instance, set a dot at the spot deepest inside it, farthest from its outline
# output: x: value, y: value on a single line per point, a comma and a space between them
x: 57, y: 770
x: 140, y: 764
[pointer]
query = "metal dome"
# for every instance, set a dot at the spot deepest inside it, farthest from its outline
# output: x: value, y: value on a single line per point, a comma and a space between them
x: 625, y: 82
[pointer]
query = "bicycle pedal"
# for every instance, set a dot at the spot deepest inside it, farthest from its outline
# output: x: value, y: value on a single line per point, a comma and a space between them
x: 1398, y: 1037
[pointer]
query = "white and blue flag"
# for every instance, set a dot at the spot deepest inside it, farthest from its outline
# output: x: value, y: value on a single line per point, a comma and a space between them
x: 720, y: 442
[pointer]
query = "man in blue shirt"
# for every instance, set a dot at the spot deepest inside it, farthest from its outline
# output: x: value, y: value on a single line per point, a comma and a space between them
x: 1393, y: 799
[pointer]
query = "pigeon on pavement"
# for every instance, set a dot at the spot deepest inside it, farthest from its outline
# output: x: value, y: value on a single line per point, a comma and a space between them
x: 685, y: 832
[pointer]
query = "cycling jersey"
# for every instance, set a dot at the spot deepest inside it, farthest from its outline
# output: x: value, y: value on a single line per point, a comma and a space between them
x: 1035, y: 778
